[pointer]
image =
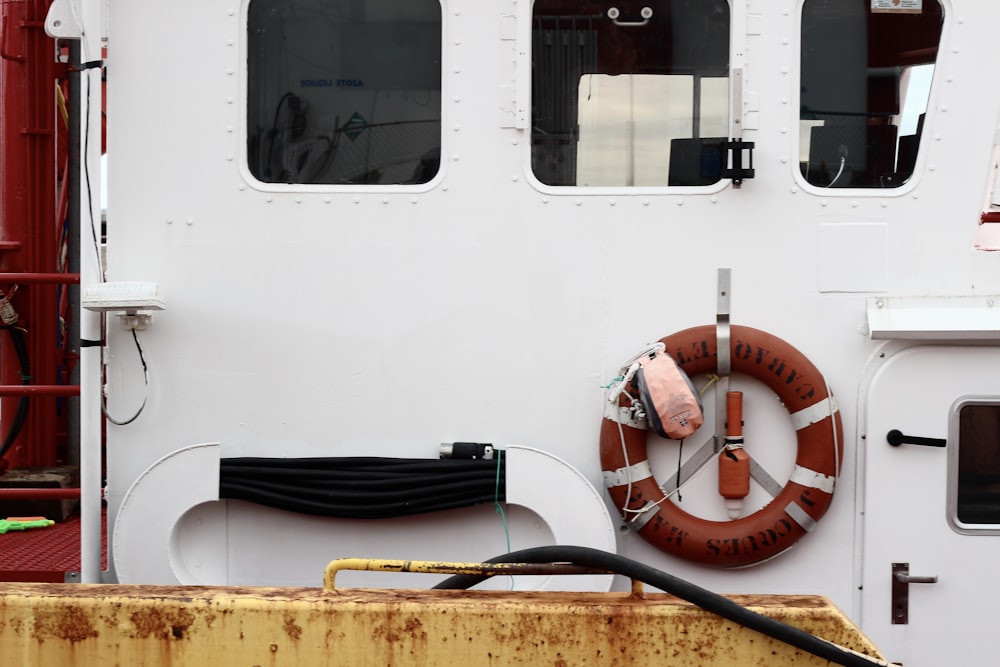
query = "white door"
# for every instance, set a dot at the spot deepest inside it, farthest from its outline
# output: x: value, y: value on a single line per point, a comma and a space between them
x: 934, y: 508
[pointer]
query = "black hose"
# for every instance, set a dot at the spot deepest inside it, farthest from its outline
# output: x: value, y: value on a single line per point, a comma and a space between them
x: 21, y: 348
x: 363, y: 487
x: 707, y: 600
x: 306, y: 469
x: 366, y: 463
x: 350, y: 510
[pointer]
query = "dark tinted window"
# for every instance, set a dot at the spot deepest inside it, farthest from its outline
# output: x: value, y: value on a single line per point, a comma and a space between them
x: 866, y: 74
x: 979, y: 464
x: 344, y: 91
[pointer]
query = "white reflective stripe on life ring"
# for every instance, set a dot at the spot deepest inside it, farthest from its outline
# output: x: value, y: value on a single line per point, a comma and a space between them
x: 630, y: 475
x: 816, y: 412
x: 800, y: 517
x: 813, y: 479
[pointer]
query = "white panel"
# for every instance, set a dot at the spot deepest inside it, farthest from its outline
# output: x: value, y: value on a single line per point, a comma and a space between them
x: 141, y: 543
x: 853, y: 257
x: 344, y: 320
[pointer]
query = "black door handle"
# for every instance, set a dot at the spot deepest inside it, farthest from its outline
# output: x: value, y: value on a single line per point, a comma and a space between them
x: 897, y: 438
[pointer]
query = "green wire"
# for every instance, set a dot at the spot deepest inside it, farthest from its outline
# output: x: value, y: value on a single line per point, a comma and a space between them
x: 496, y: 503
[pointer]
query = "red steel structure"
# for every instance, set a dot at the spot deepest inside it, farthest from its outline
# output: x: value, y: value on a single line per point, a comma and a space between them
x: 32, y: 215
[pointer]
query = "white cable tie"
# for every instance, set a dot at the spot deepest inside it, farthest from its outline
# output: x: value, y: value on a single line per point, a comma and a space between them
x: 734, y: 443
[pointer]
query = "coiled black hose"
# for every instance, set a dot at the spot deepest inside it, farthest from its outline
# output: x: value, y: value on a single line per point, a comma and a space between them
x: 363, y: 487
x: 707, y: 600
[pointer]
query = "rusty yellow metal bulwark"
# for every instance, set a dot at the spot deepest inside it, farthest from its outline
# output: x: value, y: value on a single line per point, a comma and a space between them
x: 73, y: 624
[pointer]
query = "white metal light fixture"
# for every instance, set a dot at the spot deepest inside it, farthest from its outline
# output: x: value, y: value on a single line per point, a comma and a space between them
x: 132, y: 301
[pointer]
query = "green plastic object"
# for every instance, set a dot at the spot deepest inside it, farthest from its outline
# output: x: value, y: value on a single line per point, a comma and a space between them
x: 6, y: 526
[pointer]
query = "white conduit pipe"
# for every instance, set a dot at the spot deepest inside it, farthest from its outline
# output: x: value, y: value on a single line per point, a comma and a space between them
x: 92, y: 19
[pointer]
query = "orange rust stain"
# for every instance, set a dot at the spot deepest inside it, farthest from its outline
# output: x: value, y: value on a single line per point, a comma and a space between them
x: 415, y: 628
x: 163, y: 623
x: 292, y: 629
x: 67, y: 624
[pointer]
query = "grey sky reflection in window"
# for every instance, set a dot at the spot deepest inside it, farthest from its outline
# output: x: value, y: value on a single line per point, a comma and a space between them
x: 344, y: 91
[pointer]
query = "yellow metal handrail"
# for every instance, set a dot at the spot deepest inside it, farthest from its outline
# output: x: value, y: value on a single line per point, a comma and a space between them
x: 438, y: 567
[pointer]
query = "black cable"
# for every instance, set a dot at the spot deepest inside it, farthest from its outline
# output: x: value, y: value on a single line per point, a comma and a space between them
x: 707, y: 600
x: 380, y: 493
x: 363, y: 487
x: 17, y: 339
x: 359, y: 508
x: 371, y: 463
x: 145, y: 375
x: 680, y: 451
x: 273, y: 132
x: 365, y: 472
x: 86, y: 171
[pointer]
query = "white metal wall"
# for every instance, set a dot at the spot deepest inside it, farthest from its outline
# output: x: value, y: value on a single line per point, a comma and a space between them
x: 483, y: 306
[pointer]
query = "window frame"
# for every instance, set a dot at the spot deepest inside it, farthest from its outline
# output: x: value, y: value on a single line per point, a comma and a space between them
x: 242, y: 108
x: 920, y: 160
x: 953, y: 480
x: 525, y: 82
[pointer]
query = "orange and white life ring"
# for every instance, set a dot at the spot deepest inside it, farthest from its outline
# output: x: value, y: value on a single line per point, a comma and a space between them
x: 792, y: 513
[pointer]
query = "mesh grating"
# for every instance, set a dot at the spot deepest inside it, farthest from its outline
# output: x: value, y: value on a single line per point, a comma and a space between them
x: 34, y: 555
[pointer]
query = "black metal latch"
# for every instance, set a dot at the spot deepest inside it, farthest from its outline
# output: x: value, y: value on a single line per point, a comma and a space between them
x: 896, y: 438
x: 734, y: 157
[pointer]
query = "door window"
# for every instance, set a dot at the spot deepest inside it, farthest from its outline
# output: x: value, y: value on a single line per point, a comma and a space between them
x: 974, y: 467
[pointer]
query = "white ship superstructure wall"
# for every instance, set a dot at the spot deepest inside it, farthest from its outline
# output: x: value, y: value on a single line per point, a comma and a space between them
x: 380, y: 228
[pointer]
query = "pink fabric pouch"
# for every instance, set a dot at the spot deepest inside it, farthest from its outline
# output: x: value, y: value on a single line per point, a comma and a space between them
x: 673, y: 405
